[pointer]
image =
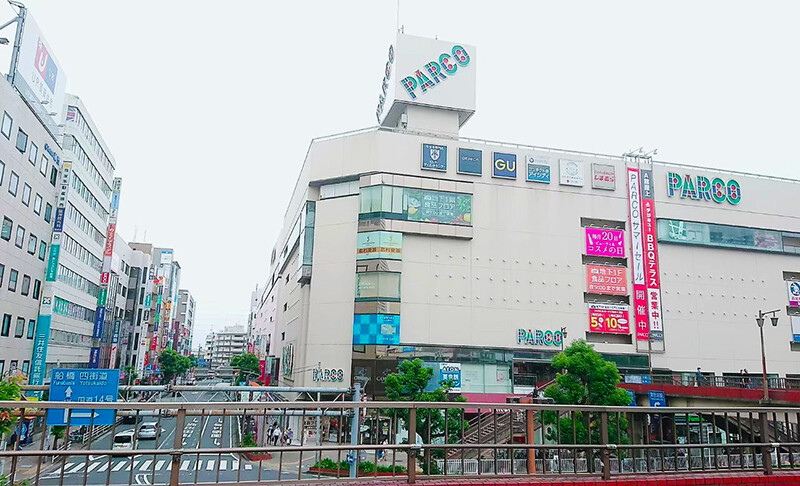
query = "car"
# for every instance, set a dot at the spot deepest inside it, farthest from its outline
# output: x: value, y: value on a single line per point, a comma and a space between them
x: 148, y: 430
x: 123, y: 440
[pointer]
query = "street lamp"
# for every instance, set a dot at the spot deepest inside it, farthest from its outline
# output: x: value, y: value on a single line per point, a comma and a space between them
x: 760, y: 322
x: 563, y: 337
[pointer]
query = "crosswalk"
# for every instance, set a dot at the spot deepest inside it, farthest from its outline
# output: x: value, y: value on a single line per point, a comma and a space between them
x: 149, y: 465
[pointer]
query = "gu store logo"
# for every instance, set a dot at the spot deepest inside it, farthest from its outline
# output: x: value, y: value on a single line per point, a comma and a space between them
x: 45, y: 66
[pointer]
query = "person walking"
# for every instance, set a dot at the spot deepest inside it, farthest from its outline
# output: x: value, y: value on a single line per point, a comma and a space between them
x: 289, y: 436
x: 276, y: 434
x: 698, y: 377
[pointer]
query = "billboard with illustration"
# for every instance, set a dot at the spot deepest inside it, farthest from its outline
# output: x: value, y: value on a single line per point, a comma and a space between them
x: 439, y: 207
x: 605, y: 242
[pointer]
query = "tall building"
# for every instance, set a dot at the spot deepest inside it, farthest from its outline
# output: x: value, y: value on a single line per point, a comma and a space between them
x: 130, y: 269
x: 182, y: 337
x: 30, y: 160
x: 83, y: 240
x: 225, y: 344
x: 483, y: 258
x: 262, y: 322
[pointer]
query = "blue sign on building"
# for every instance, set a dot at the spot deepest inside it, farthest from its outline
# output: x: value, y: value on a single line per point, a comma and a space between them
x: 537, y: 171
x: 99, y: 318
x: 657, y: 398
x: 376, y: 329
x: 504, y: 166
x: 94, y: 357
x: 434, y: 157
x: 470, y: 161
x: 58, y: 224
x: 633, y: 397
x: 82, y: 386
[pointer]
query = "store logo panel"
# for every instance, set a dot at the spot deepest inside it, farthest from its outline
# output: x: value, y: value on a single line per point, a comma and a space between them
x: 571, y: 172
x: 376, y: 329
x: 434, y: 157
x: 537, y: 169
x: 470, y: 161
x: 604, y: 177
x: 504, y: 166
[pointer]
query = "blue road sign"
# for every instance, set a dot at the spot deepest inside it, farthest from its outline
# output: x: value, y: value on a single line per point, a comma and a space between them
x: 82, y: 386
x: 148, y: 368
x: 657, y: 398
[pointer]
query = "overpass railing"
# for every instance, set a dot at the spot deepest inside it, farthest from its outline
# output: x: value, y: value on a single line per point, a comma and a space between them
x: 371, y: 439
x: 742, y: 381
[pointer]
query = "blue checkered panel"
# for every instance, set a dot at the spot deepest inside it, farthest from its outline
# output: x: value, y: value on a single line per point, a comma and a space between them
x: 376, y: 329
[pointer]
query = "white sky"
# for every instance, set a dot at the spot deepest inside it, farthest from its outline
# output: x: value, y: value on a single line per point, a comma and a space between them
x: 209, y: 107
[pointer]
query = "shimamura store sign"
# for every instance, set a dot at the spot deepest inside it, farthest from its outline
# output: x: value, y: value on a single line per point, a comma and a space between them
x: 703, y: 188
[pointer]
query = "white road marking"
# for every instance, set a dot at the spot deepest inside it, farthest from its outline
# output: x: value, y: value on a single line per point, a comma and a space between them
x: 146, y: 464
x: 103, y: 467
x: 119, y: 465
x: 94, y: 465
x: 80, y: 466
x: 223, y: 465
x: 210, y: 465
x: 185, y: 465
x: 160, y: 464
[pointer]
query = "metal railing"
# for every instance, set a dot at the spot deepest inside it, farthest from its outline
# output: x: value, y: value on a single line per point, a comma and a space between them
x: 235, y: 442
x: 754, y: 382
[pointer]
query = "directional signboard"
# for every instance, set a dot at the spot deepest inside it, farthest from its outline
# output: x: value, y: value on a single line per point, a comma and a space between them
x: 657, y: 398
x: 82, y: 386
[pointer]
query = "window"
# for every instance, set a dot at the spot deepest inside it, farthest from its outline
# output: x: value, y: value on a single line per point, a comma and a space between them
x: 42, y: 249
x: 13, y: 365
x: 22, y: 141
x: 5, y: 128
x: 37, y: 204
x: 2, y: 171
x: 136, y: 342
x: 371, y: 286
x: 33, y: 154
x: 2, y: 273
x: 32, y: 240
x: 31, y: 329
x: 43, y: 163
x: 285, y: 306
x: 12, y: 281
x: 283, y: 336
x: 6, y: 324
x: 20, y: 238
x: 721, y: 236
x: 415, y: 205
x: 5, y: 233
x: 37, y: 287
x: 25, y: 366
x: 13, y: 184
x: 26, y: 285
x: 19, y: 329
x: 26, y: 195
x: 48, y: 212
x: 53, y: 176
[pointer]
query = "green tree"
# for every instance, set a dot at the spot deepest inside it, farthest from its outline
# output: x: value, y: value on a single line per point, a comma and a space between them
x: 172, y: 364
x: 246, y: 366
x: 58, y: 432
x: 193, y: 360
x: 585, y: 378
x: 409, y: 384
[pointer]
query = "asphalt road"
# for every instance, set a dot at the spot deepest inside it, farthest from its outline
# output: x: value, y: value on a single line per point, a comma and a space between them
x: 206, y: 432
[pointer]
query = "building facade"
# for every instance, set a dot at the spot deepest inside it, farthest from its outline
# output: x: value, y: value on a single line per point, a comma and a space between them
x: 130, y: 269
x: 30, y: 161
x: 182, y: 338
x: 484, y: 258
x: 75, y: 309
x: 231, y: 341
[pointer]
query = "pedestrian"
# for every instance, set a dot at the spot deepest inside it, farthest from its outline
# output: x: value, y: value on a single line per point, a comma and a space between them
x: 276, y: 434
x: 698, y: 377
x: 749, y: 381
x: 289, y: 436
x: 744, y: 382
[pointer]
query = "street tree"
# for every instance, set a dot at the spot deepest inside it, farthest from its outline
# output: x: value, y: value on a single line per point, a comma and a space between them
x: 409, y: 384
x: 172, y: 364
x: 585, y: 378
x: 246, y: 366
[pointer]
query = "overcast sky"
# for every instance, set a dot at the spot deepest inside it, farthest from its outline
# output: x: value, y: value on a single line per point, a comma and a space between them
x: 209, y: 107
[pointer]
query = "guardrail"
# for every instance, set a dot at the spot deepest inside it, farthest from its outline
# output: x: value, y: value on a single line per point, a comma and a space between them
x: 742, y: 381
x: 555, y: 440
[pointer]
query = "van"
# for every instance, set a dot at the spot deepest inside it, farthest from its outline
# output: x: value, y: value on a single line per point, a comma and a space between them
x: 123, y: 440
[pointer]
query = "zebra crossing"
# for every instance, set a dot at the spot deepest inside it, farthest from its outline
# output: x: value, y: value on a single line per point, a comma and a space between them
x: 149, y: 465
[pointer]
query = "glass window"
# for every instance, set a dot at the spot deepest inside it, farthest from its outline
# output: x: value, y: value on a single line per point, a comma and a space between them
x: 37, y: 288
x: 5, y: 128
x: 26, y: 194
x: 2, y: 273
x: 22, y: 140
x: 31, y: 330
x: 32, y: 240
x: 53, y: 176
x: 2, y: 172
x: 377, y: 286
x: 26, y: 285
x: 718, y: 235
x: 43, y: 163
x: 20, y: 238
x: 48, y: 211
x: 416, y: 205
x: 33, y: 154
x: 13, y: 184
x: 5, y: 232
x: 26, y: 365
x: 37, y: 204
x: 19, y: 329
x: 13, y: 275
x: 42, y: 249
x: 6, y: 324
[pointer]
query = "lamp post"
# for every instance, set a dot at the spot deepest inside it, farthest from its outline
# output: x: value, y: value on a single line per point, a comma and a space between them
x: 563, y: 337
x: 760, y: 322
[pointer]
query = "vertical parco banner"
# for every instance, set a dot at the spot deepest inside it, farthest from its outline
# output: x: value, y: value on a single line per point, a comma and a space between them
x: 637, y: 255
x: 651, y: 273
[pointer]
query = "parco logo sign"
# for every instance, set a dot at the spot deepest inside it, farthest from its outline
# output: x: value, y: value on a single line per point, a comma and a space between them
x: 703, y: 188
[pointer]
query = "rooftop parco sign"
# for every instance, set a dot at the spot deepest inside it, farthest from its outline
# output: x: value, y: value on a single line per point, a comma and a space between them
x: 703, y: 188
x: 434, y: 72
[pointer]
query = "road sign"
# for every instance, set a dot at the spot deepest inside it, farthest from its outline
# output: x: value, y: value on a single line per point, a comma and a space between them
x: 657, y: 398
x: 148, y: 368
x: 82, y: 386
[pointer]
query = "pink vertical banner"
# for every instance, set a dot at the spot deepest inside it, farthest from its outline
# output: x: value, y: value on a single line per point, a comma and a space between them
x: 640, y: 313
x: 651, y: 273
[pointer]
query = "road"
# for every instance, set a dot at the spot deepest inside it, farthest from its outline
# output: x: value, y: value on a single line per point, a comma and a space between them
x: 206, y: 432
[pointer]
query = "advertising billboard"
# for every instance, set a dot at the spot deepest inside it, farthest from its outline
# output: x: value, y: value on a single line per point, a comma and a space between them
x: 652, y: 276
x: 39, y: 77
x: 571, y: 172
x: 439, y: 207
x: 609, y: 319
x: 604, y: 177
x: 376, y: 329
x: 637, y: 256
x: 450, y: 372
x: 793, y: 289
x: 427, y: 72
x: 605, y: 242
x: 537, y: 169
x: 606, y: 280
x: 387, y: 245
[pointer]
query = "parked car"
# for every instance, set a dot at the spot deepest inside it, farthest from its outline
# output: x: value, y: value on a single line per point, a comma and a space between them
x: 148, y: 430
x: 123, y: 440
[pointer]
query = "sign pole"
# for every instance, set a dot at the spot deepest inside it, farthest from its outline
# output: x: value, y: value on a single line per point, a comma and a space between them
x: 354, y: 428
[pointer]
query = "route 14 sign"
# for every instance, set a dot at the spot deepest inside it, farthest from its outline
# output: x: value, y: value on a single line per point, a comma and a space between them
x: 84, y: 387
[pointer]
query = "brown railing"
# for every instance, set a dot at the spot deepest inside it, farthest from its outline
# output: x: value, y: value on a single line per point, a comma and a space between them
x: 744, y: 381
x: 197, y: 442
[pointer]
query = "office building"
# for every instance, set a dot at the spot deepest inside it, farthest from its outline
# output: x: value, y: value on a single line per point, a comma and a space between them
x: 231, y: 341
x: 182, y: 334
x: 130, y: 269
x: 483, y: 258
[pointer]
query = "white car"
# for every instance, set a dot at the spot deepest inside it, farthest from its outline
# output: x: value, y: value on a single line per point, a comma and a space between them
x: 148, y: 430
x: 123, y: 440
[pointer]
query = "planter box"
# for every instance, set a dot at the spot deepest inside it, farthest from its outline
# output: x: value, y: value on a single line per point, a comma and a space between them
x: 257, y: 456
x: 345, y: 473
